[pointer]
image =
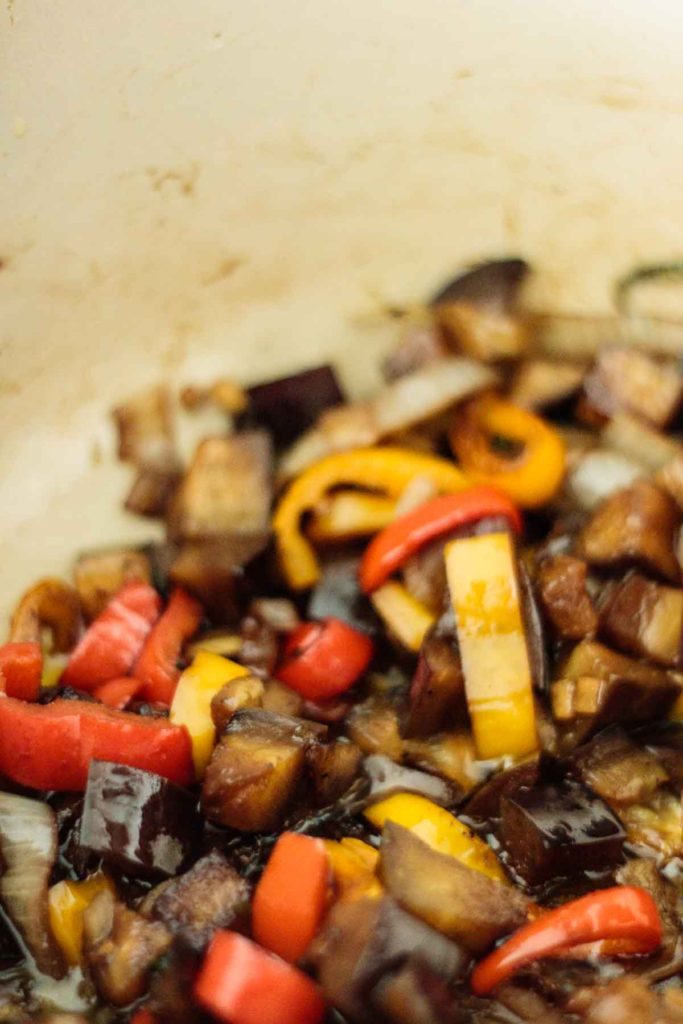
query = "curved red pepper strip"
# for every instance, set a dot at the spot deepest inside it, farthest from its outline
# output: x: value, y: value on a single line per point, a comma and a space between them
x: 323, y: 659
x: 157, y: 666
x: 623, y: 912
x: 395, y: 544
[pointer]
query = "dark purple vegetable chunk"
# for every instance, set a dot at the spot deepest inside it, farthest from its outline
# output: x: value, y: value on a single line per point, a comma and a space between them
x: 337, y: 594
x: 492, y: 283
x: 559, y: 831
x: 137, y: 822
x: 288, y: 406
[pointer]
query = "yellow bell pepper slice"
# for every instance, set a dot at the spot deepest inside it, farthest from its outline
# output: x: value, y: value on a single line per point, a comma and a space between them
x: 438, y: 828
x: 387, y: 470
x: 403, y: 615
x: 353, y: 864
x: 532, y: 476
x: 67, y: 902
x: 191, y: 705
x: 348, y: 514
x: 482, y: 579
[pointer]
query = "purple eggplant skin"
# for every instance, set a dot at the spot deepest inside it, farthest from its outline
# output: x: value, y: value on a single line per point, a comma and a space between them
x: 559, y: 831
x: 138, y: 823
x: 289, y: 406
x: 494, y: 283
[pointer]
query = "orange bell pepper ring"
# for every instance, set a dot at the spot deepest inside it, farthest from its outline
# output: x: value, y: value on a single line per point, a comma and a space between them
x: 385, y: 470
x: 529, y: 464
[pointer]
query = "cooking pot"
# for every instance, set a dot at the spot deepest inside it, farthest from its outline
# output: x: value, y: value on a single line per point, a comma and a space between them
x: 195, y: 188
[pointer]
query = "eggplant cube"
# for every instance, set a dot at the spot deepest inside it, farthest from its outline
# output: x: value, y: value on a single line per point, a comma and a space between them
x: 137, y: 822
x: 559, y: 832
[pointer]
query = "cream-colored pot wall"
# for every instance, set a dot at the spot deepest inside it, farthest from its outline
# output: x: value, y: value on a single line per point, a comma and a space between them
x: 203, y: 185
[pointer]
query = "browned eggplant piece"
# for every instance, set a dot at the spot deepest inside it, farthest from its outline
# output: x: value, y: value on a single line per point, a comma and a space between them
x: 458, y: 901
x: 171, y: 991
x: 424, y: 574
x: 559, y: 831
x: 365, y: 940
x: 146, y: 430
x: 412, y: 995
x: 626, y: 380
x: 373, y: 725
x: 211, y: 895
x: 484, y: 803
x: 333, y: 766
x: 528, y: 1006
x: 450, y: 755
x: 629, y: 1000
x: 101, y: 574
x: 656, y: 823
x: 213, y: 570
x: 227, y: 489
x: 290, y: 405
x: 279, y: 699
x: 436, y: 698
x: 256, y: 768
x: 619, y: 770
x: 245, y: 692
x: 387, y: 777
x: 137, y: 822
x: 259, y: 646
x: 151, y: 491
x: 635, y: 526
x: 564, y: 598
x: 607, y: 687
x: 645, y: 874
x: 50, y: 604
x: 421, y: 343
x: 477, y: 310
x: 644, y: 618
x: 120, y: 948
x: 28, y: 850
x: 540, y: 383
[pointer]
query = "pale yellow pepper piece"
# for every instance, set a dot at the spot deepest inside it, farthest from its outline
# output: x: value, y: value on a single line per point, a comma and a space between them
x: 353, y: 864
x: 438, y: 828
x: 403, y: 615
x: 67, y: 902
x: 347, y: 514
x: 191, y: 705
x: 482, y: 579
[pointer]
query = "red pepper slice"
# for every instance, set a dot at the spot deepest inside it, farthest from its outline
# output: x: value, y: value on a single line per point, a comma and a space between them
x: 143, y: 1016
x: 157, y: 666
x: 239, y: 983
x: 623, y: 912
x: 118, y: 693
x: 290, y: 898
x: 21, y: 666
x: 395, y: 544
x: 323, y: 659
x: 113, y: 641
x: 51, y: 746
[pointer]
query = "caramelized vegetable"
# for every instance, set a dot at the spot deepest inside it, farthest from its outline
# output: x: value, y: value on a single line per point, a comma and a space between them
x: 50, y: 604
x: 290, y: 405
x: 485, y: 594
x: 120, y: 947
x: 631, y: 381
x: 558, y: 832
x: 564, y: 597
x: 68, y: 902
x: 437, y: 690
x: 195, y: 905
x: 635, y: 526
x: 255, y: 769
x: 462, y: 903
x: 619, y: 770
x: 100, y: 575
x: 126, y: 810
x: 645, y: 619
